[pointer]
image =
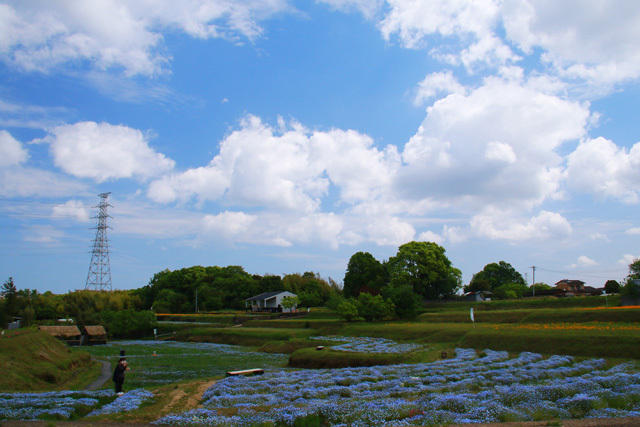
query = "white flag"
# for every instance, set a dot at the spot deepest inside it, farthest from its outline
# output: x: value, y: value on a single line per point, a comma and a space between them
x: 472, y: 319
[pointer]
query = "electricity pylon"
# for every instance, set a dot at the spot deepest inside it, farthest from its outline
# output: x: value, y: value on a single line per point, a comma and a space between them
x: 99, y: 277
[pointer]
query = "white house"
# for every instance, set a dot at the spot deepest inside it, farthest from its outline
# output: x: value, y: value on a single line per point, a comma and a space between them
x: 269, y: 301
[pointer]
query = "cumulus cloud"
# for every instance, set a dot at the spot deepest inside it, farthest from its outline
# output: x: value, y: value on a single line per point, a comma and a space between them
x: 102, y: 151
x: 466, y: 27
x: 505, y: 226
x: 597, y: 43
x: 228, y: 224
x: 11, y: 150
x: 262, y: 166
x: 582, y: 262
x: 118, y: 33
x: 436, y: 84
x: 600, y: 167
x: 496, y: 145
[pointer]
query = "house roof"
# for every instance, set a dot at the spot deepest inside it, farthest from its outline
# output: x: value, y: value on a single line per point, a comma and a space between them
x: 61, y: 331
x: 266, y: 295
x: 95, y: 331
x: 569, y: 281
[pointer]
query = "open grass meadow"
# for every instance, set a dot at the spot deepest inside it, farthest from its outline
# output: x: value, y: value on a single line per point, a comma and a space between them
x: 154, y: 363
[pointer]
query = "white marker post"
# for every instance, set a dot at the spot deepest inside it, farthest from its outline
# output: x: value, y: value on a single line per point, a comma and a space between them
x: 472, y: 319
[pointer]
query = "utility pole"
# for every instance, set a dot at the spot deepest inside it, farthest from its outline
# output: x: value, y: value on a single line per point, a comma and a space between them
x: 533, y: 280
x: 99, y: 276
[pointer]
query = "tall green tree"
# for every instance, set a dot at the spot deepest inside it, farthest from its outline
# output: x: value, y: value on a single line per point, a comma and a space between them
x: 9, y: 292
x: 364, y: 274
x: 425, y: 267
x: 493, y: 276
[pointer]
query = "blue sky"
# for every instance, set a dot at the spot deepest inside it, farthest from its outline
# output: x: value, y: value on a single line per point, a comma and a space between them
x: 285, y: 136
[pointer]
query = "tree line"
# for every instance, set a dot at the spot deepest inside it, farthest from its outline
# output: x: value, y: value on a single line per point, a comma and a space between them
x: 372, y: 290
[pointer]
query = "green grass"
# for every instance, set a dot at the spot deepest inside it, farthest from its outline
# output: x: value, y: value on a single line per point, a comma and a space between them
x: 35, y: 361
x: 247, y: 336
x: 172, y: 365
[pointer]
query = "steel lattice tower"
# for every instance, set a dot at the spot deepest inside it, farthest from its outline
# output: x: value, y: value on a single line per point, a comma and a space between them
x: 99, y: 277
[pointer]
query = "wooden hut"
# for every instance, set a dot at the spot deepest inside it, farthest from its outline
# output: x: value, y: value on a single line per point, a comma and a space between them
x: 94, y: 335
x: 68, y: 334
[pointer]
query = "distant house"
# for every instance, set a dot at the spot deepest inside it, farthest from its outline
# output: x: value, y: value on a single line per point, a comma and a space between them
x: 269, y: 301
x: 94, y: 335
x: 577, y: 287
x: 478, y: 296
x: 572, y: 287
x: 68, y: 334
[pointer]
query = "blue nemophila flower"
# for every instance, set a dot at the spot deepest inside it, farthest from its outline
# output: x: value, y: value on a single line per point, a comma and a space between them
x: 127, y: 402
x: 34, y: 406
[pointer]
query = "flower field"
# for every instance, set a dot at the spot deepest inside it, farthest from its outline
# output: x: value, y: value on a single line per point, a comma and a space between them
x: 470, y: 388
x: 65, y: 405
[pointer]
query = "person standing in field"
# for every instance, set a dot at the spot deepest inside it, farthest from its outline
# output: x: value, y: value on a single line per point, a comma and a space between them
x: 118, y: 375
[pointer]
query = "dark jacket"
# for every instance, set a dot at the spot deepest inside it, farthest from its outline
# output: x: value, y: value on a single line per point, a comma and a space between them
x: 118, y: 373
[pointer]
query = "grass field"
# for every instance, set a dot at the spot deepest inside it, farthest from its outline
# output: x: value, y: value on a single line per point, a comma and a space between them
x: 155, y: 363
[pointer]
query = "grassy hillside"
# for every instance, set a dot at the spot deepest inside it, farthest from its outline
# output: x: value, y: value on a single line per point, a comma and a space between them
x: 36, y: 361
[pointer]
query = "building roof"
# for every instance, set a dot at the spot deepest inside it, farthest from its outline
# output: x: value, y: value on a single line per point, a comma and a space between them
x: 61, y: 331
x: 569, y: 281
x: 95, y: 331
x: 267, y: 295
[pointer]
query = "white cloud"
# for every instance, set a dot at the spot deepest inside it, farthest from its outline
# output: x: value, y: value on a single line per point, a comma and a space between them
x: 71, y: 209
x: 494, y: 146
x: 20, y: 181
x: 102, y: 151
x: 505, y: 226
x: 583, y: 261
x: 633, y: 231
x: 11, y: 150
x: 466, y: 25
x: 430, y: 236
x: 599, y: 236
x: 228, y: 224
x: 261, y: 166
x: 437, y: 83
x: 598, y: 42
x: 117, y: 33
x: 600, y: 167
x: 628, y: 259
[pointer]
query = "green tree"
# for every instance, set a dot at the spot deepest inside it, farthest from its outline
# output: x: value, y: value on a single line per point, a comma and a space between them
x: 374, y: 308
x: 612, y: 287
x: 289, y: 302
x: 509, y: 291
x: 9, y: 292
x: 425, y: 267
x: 539, y: 286
x: 364, y: 274
x: 634, y: 269
x: 129, y: 323
x: 406, y: 302
x: 631, y: 288
x: 494, y: 275
x: 348, y: 310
